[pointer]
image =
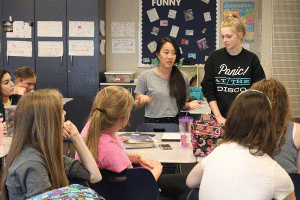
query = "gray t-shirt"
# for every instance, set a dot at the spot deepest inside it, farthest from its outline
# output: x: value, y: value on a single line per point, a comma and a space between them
x: 287, y: 158
x: 29, y: 176
x: 149, y: 83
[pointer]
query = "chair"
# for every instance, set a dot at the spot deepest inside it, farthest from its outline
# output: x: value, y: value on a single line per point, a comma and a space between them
x: 157, y: 127
x: 194, y: 194
x: 135, y: 183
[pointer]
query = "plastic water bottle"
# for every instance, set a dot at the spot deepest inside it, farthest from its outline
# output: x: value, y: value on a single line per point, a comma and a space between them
x: 1, y: 129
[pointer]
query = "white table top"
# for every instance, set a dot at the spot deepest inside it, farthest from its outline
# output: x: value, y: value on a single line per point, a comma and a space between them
x: 4, y: 148
x: 176, y: 155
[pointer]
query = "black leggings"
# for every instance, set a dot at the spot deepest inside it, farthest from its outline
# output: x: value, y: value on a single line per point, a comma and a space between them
x: 173, y: 186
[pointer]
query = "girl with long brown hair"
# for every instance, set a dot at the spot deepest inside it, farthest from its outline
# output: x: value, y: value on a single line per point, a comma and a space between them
x: 241, y: 166
x: 35, y: 163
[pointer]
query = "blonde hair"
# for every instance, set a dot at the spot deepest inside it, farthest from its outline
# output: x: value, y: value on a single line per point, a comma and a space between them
x: 111, y: 104
x: 234, y: 21
x: 279, y: 97
x: 38, y: 124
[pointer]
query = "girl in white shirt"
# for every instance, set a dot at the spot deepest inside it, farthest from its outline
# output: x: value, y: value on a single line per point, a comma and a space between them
x: 241, y: 167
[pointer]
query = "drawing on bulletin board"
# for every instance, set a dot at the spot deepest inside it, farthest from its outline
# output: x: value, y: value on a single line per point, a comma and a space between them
x: 246, y: 12
x: 192, y: 24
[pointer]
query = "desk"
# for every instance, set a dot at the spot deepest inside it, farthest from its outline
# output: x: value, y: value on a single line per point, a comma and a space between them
x: 4, y: 148
x: 176, y: 155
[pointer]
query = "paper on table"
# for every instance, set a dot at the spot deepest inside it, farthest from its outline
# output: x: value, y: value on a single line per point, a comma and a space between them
x: 171, y: 137
x: 49, y: 28
x: 50, y: 48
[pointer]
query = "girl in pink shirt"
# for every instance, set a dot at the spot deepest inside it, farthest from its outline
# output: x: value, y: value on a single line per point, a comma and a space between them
x: 110, y: 113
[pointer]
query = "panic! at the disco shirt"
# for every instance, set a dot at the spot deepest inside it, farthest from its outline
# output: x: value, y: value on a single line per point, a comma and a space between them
x: 226, y: 76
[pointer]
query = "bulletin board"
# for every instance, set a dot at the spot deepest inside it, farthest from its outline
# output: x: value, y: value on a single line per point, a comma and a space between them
x: 246, y: 12
x: 191, y: 23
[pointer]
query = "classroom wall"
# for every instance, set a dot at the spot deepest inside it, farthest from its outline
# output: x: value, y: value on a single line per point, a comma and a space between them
x: 128, y: 11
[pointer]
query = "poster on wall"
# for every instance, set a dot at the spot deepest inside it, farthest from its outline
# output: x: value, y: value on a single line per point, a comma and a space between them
x: 192, y: 24
x: 246, y: 12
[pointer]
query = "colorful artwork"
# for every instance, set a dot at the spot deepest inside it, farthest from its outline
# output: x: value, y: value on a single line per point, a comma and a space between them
x: 246, y: 11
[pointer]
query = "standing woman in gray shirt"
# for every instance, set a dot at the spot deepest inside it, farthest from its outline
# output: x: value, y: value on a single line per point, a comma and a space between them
x: 164, y: 89
x: 35, y: 164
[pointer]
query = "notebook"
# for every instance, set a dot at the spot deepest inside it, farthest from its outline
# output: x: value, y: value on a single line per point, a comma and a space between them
x: 171, y: 137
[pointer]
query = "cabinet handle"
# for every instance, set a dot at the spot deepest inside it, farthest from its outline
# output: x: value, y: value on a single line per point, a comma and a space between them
x: 71, y: 60
x: 7, y: 60
x: 61, y: 60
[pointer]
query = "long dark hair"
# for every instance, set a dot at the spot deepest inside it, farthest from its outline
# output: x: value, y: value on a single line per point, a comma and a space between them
x: 250, y: 123
x: 177, y: 83
x: 2, y: 73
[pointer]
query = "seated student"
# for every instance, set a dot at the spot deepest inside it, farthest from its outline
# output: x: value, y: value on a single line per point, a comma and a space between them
x: 7, y: 93
x: 289, y: 131
x: 25, y: 80
x: 36, y: 163
x: 241, y: 167
x: 110, y: 113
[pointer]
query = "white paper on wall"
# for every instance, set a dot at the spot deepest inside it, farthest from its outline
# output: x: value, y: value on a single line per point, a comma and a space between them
x: 21, y: 29
x: 174, y: 31
x: 81, y: 29
x: 81, y: 47
x: 102, y: 47
x: 19, y: 48
x: 123, y: 45
x: 50, y: 48
x: 152, y: 14
x: 49, y: 28
x: 123, y: 29
x: 102, y: 27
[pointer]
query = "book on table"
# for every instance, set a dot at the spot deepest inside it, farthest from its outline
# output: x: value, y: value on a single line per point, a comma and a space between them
x: 137, y: 140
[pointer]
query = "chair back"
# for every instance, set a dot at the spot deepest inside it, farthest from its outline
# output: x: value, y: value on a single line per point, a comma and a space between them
x: 135, y: 183
x: 157, y: 127
x: 194, y: 194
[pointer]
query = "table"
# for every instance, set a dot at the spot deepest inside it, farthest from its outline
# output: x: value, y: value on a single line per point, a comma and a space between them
x: 176, y: 155
x: 4, y: 148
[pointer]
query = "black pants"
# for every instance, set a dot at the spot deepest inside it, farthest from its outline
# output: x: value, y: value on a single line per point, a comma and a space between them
x: 162, y: 120
x: 173, y: 186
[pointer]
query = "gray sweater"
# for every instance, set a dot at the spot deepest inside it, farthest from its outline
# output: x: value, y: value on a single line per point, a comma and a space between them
x: 29, y: 176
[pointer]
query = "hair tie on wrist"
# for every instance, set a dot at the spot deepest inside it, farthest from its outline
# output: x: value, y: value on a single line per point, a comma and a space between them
x: 101, y: 110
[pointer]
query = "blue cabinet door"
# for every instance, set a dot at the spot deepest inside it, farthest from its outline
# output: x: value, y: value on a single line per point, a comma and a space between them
x: 52, y: 72
x: 83, y: 71
x: 19, y: 11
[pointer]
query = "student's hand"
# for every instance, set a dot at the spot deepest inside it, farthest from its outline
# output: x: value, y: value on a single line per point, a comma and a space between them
x: 20, y: 90
x: 156, y: 167
x: 221, y: 120
x: 143, y: 99
x: 4, y: 126
x: 69, y: 130
x: 195, y: 104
